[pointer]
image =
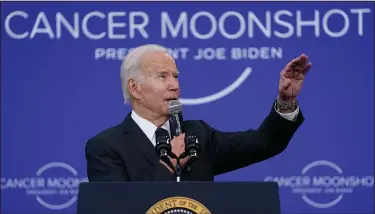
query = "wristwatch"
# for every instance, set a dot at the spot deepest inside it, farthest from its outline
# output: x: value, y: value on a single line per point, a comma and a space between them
x: 286, y: 106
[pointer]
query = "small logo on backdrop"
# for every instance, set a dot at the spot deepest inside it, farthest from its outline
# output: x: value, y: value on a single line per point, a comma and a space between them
x: 323, y: 184
x: 55, y: 185
x: 178, y: 205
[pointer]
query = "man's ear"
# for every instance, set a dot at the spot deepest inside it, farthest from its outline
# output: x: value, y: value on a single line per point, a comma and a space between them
x: 133, y: 87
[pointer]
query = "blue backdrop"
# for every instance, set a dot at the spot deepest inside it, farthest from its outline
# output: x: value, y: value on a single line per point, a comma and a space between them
x: 60, y: 67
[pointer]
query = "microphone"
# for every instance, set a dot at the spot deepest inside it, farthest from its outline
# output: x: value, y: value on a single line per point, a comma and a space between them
x: 192, y: 149
x: 175, y: 111
x: 163, y: 147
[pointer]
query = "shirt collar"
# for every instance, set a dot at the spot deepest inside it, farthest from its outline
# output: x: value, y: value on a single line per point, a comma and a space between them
x: 147, y: 127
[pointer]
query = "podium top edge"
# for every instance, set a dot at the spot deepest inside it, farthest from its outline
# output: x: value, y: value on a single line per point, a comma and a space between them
x: 185, y: 182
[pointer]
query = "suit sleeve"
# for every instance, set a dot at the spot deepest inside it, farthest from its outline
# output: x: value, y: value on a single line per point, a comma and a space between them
x: 234, y: 150
x: 104, y: 164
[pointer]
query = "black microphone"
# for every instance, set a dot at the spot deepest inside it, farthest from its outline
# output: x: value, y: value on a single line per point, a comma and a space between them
x: 192, y: 147
x: 175, y: 112
x: 163, y: 147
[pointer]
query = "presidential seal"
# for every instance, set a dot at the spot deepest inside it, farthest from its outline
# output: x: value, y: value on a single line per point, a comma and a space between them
x: 178, y: 205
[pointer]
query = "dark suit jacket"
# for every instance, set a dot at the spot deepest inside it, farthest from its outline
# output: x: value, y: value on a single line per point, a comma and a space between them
x: 124, y: 153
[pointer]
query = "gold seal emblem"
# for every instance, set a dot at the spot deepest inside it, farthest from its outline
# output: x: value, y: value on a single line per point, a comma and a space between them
x: 177, y: 205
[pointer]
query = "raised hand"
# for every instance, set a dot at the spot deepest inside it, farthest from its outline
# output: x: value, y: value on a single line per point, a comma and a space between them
x: 292, y: 77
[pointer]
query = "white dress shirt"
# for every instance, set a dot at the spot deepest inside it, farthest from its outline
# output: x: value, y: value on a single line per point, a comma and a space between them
x: 149, y: 128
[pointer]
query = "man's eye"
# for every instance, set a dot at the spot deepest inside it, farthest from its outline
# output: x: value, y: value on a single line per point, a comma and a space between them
x: 175, y: 76
x: 162, y: 76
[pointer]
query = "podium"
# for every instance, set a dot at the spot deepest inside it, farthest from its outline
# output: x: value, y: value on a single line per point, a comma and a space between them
x: 178, y: 197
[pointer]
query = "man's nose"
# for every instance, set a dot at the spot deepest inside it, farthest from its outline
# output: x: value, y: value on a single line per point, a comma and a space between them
x: 174, y: 84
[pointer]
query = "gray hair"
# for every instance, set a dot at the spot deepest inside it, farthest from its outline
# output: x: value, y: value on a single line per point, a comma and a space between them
x: 131, y: 65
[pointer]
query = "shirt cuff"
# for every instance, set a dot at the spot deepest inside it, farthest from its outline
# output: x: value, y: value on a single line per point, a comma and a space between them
x: 289, y: 116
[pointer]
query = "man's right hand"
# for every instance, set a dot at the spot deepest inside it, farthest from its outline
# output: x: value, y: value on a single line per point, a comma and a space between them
x: 178, y: 147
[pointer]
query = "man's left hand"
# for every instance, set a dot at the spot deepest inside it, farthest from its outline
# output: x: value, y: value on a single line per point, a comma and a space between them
x: 291, y: 78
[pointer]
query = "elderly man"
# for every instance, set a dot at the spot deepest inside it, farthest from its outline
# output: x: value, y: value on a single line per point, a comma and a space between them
x: 149, y: 77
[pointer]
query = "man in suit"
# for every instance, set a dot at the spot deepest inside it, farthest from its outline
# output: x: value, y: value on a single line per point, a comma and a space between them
x: 126, y: 152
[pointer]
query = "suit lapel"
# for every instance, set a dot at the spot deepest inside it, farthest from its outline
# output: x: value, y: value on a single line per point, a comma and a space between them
x: 135, y: 136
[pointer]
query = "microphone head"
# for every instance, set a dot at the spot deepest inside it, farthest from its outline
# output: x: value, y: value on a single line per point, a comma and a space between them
x: 163, y: 146
x: 161, y: 134
x: 192, y: 144
x: 174, y: 107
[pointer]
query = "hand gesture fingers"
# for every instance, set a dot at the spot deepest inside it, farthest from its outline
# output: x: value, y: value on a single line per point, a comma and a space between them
x: 296, y: 66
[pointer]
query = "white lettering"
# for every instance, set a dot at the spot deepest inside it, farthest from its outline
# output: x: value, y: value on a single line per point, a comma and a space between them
x: 41, y: 18
x: 368, y: 181
x: 112, y: 25
x: 307, y: 190
x: 314, y: 23
x: 63, y: 182
x: 140, y: 27
x: 23, y: 183
x: 9, y: 30
x: 212, y: 25
x: 210, y: 54
x: 174, y: 31
x: 111, y: 53
x: 339, y: 181
x: 99, y: 53
x: 344, y: 190
x: 61, y: 20
x: 85, y: 28
x: 290, y: 27
x: 217, y: 25
x: 325, y: 23
x: 120, y: 53
x: 178, y: 53
x: 44, y: 192
x: 360, y: 18
x: 256, y: 53
x: 201, y: 25
x: 240, y: 31
x: 292, y: 181
x: 265, y: 29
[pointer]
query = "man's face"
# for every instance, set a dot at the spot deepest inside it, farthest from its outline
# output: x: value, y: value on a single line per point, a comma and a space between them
x: 160, y: 83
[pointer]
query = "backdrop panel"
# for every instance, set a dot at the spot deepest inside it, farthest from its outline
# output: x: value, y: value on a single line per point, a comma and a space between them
x: 60, y: 68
